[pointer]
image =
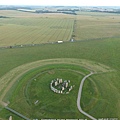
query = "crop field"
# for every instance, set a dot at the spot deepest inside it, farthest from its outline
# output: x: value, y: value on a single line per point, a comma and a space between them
x: 92, y: 25
x: 30, y: 28
x: 34, y: 30
x: 26, y: 72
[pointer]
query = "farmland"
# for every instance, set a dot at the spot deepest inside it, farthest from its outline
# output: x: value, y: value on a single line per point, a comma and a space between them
x: 91, y: 25
x: 30, y: 30
x: 23, y: 28
x: 70, y: 60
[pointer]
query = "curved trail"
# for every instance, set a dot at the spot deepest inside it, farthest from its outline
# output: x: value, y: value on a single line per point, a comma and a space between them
x: 79, y: 97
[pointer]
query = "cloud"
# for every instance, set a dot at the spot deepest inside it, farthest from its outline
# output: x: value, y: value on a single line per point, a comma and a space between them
x: 62, y: 2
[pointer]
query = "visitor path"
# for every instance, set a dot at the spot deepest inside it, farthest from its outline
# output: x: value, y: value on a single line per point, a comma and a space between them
x: 79, y: 97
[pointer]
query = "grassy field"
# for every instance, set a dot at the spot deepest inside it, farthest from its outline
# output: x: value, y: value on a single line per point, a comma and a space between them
x: 27, y: 91
x: 104, y: 51
x: 108, y: 96
x: 50, y: 105
x: 101, y: 93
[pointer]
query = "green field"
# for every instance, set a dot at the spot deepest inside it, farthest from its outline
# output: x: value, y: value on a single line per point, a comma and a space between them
x: 70, y: 60
x: 51, y: 105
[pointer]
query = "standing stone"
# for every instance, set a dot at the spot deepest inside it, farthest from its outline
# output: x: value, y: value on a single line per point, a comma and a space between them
x: 66, y: 85
x: 56, y: 83
x: 60, y: 80
x: 63, y: 88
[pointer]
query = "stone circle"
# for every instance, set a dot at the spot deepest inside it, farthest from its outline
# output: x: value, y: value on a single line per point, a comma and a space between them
x: 61, y: 86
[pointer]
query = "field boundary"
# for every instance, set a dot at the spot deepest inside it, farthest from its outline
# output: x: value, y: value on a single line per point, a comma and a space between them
x: 55, y: 42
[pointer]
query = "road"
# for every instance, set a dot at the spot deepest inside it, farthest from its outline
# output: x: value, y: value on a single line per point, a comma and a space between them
x: 15, y: 112
x: 79, y: 97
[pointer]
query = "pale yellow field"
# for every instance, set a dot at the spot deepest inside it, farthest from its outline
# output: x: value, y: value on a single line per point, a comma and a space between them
x: 96, y: 25
x: 31, y: 28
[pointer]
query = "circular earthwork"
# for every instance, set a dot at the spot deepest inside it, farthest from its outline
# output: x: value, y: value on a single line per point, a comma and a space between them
x: 33, y: 92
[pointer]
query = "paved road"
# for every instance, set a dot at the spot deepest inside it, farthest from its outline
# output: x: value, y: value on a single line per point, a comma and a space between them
x: 15, y: 112
x: 79, y: 97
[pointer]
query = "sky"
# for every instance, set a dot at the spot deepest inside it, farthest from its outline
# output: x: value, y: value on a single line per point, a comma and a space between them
x: 62, y: 2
